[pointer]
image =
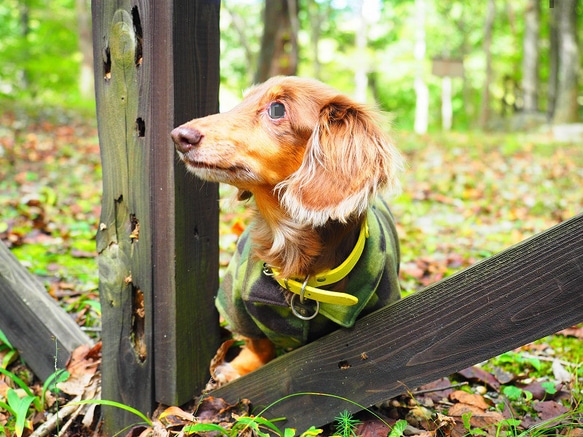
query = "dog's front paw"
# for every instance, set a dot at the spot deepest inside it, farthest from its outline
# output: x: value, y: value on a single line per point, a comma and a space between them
x: 225, y: 373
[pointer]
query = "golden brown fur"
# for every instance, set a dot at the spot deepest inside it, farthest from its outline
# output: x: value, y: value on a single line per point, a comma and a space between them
x: 312, y: 172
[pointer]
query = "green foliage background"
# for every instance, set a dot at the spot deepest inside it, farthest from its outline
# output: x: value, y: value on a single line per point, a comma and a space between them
x: 41, y: 68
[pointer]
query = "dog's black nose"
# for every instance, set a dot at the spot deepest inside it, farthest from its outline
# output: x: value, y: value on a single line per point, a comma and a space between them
x: 186, y: 138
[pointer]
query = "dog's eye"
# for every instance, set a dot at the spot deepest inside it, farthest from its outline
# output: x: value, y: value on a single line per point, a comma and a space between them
x: 276, y: 110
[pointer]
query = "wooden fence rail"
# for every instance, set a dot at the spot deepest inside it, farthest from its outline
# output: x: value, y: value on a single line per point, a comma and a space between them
x: 34, y: 323
x: 522, y: 294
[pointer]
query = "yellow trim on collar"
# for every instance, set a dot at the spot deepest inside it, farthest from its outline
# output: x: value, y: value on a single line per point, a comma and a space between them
x: 311, y: 290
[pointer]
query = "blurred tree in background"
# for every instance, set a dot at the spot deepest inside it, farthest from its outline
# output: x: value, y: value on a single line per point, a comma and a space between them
x: 520, y: 58
x: 45, y: 53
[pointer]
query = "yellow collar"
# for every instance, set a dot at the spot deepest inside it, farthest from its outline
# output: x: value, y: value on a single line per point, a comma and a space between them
x: 308, y: 289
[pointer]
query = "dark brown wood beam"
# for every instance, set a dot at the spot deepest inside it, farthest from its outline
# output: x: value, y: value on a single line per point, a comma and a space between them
x: 34, y: 323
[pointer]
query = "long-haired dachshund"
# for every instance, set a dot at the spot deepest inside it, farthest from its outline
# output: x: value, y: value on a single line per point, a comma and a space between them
x: 321, y: 251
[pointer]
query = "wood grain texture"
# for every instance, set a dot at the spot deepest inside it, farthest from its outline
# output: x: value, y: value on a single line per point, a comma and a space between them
x: 124, y: 236
x: 156, y: 67
x: 44, y: 334
x: 524, y: 293
x: 184, y: 85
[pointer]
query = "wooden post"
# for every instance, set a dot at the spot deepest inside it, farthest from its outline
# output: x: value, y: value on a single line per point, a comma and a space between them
x: 156, y: 66
x: 519, y: 295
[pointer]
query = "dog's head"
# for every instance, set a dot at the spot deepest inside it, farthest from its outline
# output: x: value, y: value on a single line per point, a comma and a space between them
x: 322, y: 155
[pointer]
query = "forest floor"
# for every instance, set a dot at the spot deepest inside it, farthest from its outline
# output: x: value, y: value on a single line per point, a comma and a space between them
x: 465, y: 197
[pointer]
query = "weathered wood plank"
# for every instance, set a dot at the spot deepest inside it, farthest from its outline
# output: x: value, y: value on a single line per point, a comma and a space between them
x: 184, y: 83
x: 524, y: 293
x: 124, y: 236
x: 33, y: 321
x: 156, y: 66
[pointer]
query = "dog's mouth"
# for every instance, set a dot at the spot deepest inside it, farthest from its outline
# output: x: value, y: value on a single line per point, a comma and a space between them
x: 206, y: 166
x: 216, y: 172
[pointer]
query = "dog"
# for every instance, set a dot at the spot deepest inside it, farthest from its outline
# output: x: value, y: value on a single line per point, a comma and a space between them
x: 322, y: 248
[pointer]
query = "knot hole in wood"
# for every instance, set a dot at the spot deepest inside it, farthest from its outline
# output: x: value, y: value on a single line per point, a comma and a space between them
x: 134, y: 228
x: 139, y: 35
x: 140, y: 127
x: 106, y: 63
x: 138, y: 324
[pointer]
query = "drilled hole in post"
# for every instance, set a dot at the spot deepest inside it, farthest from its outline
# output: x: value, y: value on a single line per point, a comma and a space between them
x: 140, y: 127
x: 106, y: 63
x: 134, y: 228
x: 139, y: 35
x: 138, y: 324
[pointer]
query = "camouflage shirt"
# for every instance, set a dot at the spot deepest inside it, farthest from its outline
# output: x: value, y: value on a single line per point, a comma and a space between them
x: 254, y: 304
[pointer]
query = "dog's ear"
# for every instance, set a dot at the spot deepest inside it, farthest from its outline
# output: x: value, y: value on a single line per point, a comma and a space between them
x: 347, y: 160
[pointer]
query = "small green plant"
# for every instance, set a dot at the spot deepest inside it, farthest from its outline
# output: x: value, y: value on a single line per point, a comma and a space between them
x: 549, y: 387
x: 517, y: 394
x: 10, y: 353
x: 21, y: 407
x: 466, y: 417
x: 398, y: 429
x: 117, y: 405
x: 346, y: 424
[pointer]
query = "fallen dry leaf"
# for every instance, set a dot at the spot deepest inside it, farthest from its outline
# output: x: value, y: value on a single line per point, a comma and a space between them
x: 548, y: 410
x: 419, y: 417
x: 436, y: 395
x: 218, y: 410
x: 469, y: 399
x: 476, y: 374
x: 560, y: 373
x: 575, y: 331
x: 373, y: 427
x: 486, y: 421
x: 76, y: 385
x: 85, y: 360
x: 460, y: 409
x: 174, y: 416
x: 219, y: 357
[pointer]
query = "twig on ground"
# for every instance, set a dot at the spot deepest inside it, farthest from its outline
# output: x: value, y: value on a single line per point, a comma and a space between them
x: 543, y: 358
x: 51, y: 423
x: 432, y: 390
x: 70, y: 421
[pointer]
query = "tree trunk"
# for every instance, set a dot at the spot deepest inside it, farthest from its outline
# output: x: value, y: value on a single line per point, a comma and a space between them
x: 530, y: 60
x: 554, y: 64
x: 24, y: 31
x: 86, y: 88
x: 238, y: 24
x: 361, y: 67
x: 465, y: 49
x: 279, y: 44
x: 566, y: 109
x: 485, y: 107
x: 421, y: 90
x: 316, y: 19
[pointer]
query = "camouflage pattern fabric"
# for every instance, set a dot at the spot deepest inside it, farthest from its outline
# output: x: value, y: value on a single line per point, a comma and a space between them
x: 254, y: 305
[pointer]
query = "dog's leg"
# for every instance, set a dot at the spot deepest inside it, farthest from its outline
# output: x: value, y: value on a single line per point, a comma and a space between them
x: 253, y: 355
